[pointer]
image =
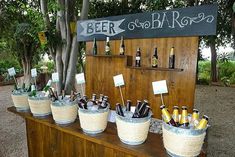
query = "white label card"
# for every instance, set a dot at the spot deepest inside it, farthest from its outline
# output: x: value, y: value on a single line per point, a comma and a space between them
x: 112, y: 116
x: 118, y: 80
x: 11, y: 71
x: 159, y: 87
x: 55, y: 77
x: 80, y: 78
x: 34, y: 72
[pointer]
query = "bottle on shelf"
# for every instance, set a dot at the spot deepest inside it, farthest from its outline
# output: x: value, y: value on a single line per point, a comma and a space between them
x: 119, y: 110
x: 184, y: 122
x: 172, y: 59
x: 203, y: 123
x: 195, y: 118
x: 128, y: 105
x: 175, y: 114
x: 107, y: 47
x: 167, y: 117
x: 138, y: 58
x: 94, y: 49
x: 154, y: 60
x: 122, y: 47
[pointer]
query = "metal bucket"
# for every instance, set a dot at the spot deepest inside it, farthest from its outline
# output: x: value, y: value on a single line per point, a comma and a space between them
x: 40, y: 106
x: 133, y: 131
x: 20, y: 101
x: 180, y: 142
x: 93, y: 121
x: 64, y: 113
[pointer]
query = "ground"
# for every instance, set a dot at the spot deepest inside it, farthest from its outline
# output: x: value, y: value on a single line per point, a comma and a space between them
x: 217, y: 102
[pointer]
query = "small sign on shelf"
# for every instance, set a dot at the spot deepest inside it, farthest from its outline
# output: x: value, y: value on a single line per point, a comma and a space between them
x: 160, y: 87
x: 118, y: 80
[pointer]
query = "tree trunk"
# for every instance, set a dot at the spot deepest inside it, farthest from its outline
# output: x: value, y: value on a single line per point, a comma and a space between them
x: 213, y: 62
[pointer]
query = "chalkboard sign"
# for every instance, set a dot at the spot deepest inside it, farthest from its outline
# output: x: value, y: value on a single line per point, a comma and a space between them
x: 191, y: 21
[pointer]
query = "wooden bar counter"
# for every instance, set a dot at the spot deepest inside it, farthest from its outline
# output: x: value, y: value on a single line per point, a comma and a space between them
x: 47, y: 139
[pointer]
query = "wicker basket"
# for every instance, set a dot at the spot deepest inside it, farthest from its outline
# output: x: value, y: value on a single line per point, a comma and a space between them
x: 20, y: 101
x: 132, y: 131
x: 93, y: 122
x: 64, y: 113
x: 181, y: 142
x: 40, y: 107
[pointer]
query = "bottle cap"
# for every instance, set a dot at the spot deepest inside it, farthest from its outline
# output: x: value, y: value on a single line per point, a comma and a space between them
x: 195, y: 110
x: 162, y: 106
x: 184, y: 108
x: 176, y: 107
x: 128, y: 100
x: 206, y: 117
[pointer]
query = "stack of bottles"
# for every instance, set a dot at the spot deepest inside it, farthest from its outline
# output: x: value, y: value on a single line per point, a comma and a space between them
x: 93, y: 103
x: 184, y: 120
x: 142, y: 109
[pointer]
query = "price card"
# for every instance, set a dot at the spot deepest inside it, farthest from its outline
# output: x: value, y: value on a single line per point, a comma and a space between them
x: 55, y: 77
x: 80, y: 78
x: 112, y: 115
x: 132, y: 109
x: 11, y: 71
x: 118, y: 80
x: 34, y: 72
x: 159, y: 87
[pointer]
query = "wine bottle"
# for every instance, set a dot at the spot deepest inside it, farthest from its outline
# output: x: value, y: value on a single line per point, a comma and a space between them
x: 107, y: 47
x: 172, y: 59
x: 94, y: 47
x: 122, y: 47
x: 155, y: 59
x: 138, y: 58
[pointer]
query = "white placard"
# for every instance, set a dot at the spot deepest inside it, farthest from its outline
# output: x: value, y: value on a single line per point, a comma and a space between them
x: 118, y: 80
x: 159, y: 87
x: 11, y: 71
x: 34, y: 72
x: 80, y: 78
x: 112, y: 116
x: 132, y: 109
x: 55, y: 77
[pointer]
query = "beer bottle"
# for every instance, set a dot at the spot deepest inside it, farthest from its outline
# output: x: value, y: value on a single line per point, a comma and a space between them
x: 63, y: 94
x: 122, y: 47
x: 184, y: 117
x: 167, y: 117
x: 93, y: 99
x: 172, y: 59
x: 103, y: 104
x: 94, y: 47
x: 84, y: 103
x: 107, y: 47
x: 72, y: 95
x: 128, y: 105
x: 143, y: 106
x: 175, y: 114
x: 119, y: 110
x: 137, y: 112
x: 138, y: 58
x: 203, y: 123
x: 195, y: 117
x: 146, y: 112
x: 85, y: 98
x: 52, y: 94
x: 155, y: 59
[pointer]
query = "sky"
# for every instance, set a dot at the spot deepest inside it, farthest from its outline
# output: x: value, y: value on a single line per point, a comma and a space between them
x: 206, y: 52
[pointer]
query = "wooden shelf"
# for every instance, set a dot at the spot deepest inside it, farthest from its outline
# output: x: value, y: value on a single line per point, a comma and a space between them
x: 111, y: 56
x: 157, y: 69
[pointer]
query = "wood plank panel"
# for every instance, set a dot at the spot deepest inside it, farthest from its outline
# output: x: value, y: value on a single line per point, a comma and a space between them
x: 181, y: 85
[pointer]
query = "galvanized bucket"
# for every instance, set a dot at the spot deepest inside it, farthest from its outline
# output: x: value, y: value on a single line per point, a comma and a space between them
x: 93, y: 121
x: 64, y: 112
x: 180, y: 142
x: 40, y: 106
x: 133, y: 131
x: 20, y: 101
